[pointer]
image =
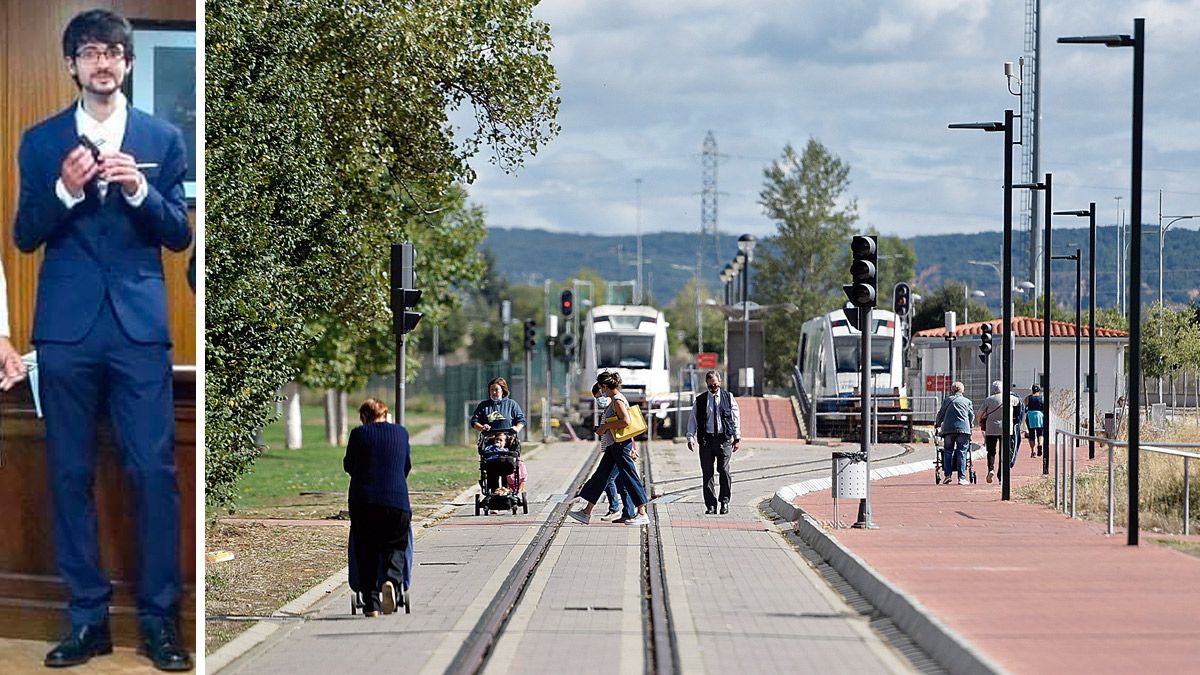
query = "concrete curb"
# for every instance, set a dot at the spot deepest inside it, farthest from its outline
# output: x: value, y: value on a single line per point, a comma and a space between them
x: 944, y: 645
x: 259, y: 632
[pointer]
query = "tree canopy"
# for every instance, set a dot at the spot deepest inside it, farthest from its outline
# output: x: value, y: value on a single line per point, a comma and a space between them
x: 330, y: 135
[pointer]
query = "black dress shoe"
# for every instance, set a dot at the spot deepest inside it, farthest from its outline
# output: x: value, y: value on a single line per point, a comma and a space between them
x: 710, y: 510
x: 724, y: 508
x: 161, y: 645
x: 80, y: 645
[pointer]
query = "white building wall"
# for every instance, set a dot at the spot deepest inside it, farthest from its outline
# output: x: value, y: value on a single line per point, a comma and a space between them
x: 1027, y: 366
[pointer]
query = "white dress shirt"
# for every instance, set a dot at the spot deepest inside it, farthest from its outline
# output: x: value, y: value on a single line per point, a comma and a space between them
x: 4, y: 330
x: 108, y: 135
x: 714, y: 418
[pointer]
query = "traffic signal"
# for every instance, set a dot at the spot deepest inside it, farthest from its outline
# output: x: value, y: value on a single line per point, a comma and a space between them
x: 568, y: 343
x: 901, y: 299
x: 404, y: 297
x: 985, y: 339
x: 863, y: 271
x: 568, y: 302
x: 530, y: 335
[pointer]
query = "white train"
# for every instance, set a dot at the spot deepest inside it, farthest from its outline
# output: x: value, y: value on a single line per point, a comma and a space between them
x: 828, y: 357
x: 632, y: 340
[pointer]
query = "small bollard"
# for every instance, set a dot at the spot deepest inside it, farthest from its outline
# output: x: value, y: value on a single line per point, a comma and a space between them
x: 849, y: 479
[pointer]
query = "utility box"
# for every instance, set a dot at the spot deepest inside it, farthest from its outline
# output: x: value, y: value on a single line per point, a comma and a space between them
x: 849, y: 475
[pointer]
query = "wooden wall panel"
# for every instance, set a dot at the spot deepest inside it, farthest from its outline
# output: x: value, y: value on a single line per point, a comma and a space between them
x: 33, y: 85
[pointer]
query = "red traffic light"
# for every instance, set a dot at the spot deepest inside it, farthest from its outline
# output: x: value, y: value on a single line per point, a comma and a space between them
x: 567, y: 302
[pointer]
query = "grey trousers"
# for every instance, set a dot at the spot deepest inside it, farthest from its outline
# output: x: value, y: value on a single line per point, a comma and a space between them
x: 715, y: 450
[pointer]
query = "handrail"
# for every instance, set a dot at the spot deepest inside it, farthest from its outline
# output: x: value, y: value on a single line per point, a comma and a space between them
x: 806, y: 404
x: 1060, y: 450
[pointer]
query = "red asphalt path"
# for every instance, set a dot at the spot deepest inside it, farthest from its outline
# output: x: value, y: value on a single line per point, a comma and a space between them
x: 1030, y: 588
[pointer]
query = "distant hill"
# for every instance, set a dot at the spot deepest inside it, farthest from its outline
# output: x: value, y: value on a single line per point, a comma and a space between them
x: 528, y: 256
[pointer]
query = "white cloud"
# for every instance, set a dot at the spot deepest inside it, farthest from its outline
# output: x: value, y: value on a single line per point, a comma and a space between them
x: 876, y: 82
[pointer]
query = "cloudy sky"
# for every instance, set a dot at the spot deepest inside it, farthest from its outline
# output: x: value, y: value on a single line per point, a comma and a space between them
x: 876, y: 82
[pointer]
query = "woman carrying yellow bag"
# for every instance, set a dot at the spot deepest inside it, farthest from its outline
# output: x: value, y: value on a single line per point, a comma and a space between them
x: 618, y: 454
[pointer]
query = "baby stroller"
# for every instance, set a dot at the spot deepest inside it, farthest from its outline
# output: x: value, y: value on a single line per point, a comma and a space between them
x: 501, y: 473
x: 939, y: 470
x: 355, y: 579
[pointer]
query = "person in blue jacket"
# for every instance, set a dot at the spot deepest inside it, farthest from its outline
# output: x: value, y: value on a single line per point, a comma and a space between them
x: 953, y: 421
x: 498, y: 411
x: 378, y: 459
x: 101, y: 197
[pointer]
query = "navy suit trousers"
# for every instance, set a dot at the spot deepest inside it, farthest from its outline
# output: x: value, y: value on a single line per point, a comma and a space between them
x: 106, y: 371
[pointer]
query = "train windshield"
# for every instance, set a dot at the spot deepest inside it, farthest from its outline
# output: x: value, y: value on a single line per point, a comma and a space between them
x: 845, y: 349
x: 624, y: 351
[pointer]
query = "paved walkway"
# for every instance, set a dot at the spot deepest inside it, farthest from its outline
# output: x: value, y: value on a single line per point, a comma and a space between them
x: 1024, y: 586
x: 742, y: 599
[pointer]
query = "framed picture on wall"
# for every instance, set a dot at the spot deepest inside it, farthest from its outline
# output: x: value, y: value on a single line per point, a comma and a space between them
x: 163, y: 81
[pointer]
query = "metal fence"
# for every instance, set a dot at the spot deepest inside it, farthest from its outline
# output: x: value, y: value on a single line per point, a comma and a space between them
x: 466, y: 385
x: 1065, y: 446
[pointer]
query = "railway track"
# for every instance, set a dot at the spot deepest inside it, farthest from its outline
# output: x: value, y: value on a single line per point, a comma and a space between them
x: 661, y: 655
x: 813, y: 465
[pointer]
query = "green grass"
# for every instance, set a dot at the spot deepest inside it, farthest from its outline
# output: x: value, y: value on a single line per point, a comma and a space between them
x: 281, y: 474
x: 1189, y: 547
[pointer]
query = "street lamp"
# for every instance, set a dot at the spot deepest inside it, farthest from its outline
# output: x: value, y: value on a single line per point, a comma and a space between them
x: 967, y: 302
x: 1138, y: 42
x: 1026, y: 286
x: 1090, y: 214
x: 1078, y: 278
x: 1162, y: 231
x: 1006, y: 289
x: 746, y: 244
x: 726, y: 277
x: 1047, y: 186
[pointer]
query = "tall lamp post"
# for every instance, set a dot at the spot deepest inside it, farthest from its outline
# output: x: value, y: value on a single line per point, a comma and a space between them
x: 1138, y: 42
x: 1077, y: 257
x: 1090, y: 214
x: 1048, y: 231
x: 1006, y: 289
x: 746, y: 244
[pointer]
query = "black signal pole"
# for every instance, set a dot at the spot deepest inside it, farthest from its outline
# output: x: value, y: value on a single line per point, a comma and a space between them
x: 1090, y: 214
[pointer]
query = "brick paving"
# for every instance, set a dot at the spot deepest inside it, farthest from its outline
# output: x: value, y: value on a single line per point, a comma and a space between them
x: 1030, y: 588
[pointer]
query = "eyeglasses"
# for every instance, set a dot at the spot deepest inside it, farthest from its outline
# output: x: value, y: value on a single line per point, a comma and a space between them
x: 92, y: 54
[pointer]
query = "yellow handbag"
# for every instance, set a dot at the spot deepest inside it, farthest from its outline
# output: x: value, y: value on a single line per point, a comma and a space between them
x: 637, y: 425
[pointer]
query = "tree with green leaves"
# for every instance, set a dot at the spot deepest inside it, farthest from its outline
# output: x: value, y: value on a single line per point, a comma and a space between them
x: 805, y: 262
x: 328, y: 138
x: 931, y: 310
x: 681, y: 314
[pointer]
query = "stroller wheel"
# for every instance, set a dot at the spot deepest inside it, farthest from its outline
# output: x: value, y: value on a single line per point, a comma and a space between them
x: 937, y: 477
x: 476, y: 504
x: 353, y: 604
x: 407, y: 602
x: 972, y: 477
x: 524, y: 503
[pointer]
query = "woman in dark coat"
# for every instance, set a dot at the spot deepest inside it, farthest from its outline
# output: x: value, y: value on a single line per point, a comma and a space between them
x: 378, y: 460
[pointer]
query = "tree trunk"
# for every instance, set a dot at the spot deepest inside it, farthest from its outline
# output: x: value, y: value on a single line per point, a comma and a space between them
x: 343, y: 419
x: 331, y: 430
x: 291, y: 417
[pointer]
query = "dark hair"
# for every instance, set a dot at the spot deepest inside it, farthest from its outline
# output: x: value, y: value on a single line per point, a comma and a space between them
x: 500, y: 381
x: 609, y: 379
x: 596, y: 389
x: 1036, y: 388
x: 372, y: 410
x: 97, y: 25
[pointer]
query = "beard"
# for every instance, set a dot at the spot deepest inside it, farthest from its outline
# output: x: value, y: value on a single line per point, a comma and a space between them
x: 103, y: 83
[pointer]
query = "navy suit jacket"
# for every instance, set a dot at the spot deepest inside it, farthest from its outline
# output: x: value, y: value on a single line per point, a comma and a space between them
x: 102, y: 247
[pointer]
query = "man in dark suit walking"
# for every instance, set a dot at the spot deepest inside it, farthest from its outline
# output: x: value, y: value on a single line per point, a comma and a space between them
x: 715, y: 416
x: 101, y: 211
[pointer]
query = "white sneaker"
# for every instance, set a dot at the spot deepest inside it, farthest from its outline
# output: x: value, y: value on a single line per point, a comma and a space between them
x: 585, y: 518
x: 638, y: 520
x: 389, y: 598
x: 963, y: 481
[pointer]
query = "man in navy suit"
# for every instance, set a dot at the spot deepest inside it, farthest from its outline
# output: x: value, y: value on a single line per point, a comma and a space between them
x: 101, y: 211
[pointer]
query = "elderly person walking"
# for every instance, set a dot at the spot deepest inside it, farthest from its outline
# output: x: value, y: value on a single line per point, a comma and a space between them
x: 954, y: 421
x: 991, y: 418
x: 378, y: 460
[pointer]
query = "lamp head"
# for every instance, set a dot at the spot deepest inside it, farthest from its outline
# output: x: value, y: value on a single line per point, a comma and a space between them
x: 1030, y: 186
x: 746, y: 244
x: 984, y: 126
x: 1106, y: 40
x: 1081, y: 212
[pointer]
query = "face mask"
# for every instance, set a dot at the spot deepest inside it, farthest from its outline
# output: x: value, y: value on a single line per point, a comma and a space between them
x: 603, y: 401
x: 714, y: 387
x: 495, y: 397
